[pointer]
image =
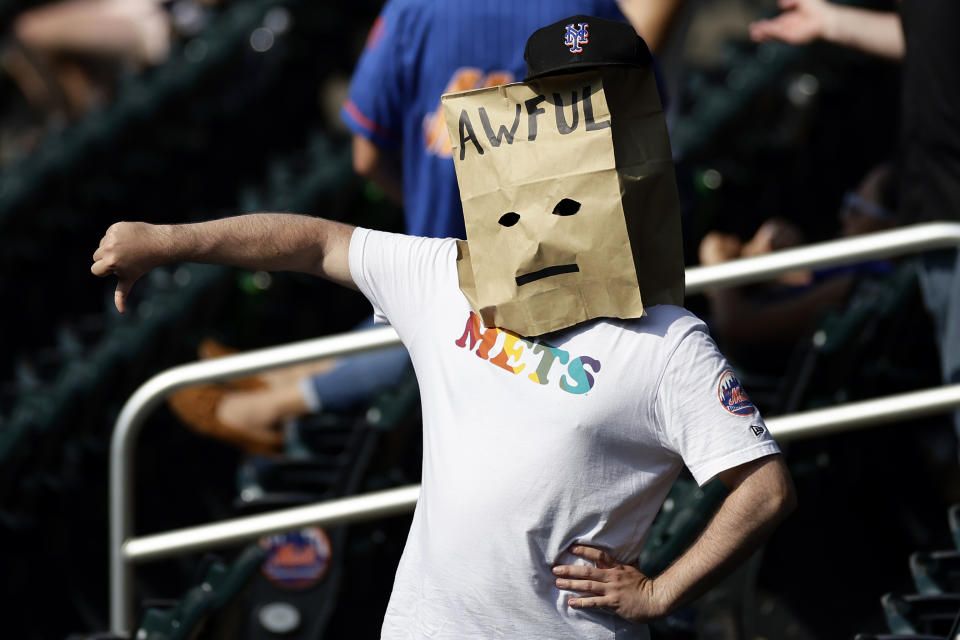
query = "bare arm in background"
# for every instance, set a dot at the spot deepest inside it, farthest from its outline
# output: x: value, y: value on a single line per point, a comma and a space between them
x: 761, y: 496
x: 878, y: 33
x: 260, y: 241
x: 652, y: 20
x: 137, y: 31
x: 741, y: 319
x: 379, y: 166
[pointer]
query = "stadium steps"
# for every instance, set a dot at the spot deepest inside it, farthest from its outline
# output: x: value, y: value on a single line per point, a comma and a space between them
x: 934, y: 612
x: 79, y: 379
x: 112, y: 161
x: 64, y: 406
x: 953, y: 517
x: 921, y: 614
x: 936, y: 572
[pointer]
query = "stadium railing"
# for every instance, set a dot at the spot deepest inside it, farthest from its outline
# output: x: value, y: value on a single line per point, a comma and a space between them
x: 125, y: 550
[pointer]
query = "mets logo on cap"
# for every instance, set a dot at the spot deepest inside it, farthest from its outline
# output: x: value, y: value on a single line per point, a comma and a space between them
x: 732, y: 396
x: 575, y: 37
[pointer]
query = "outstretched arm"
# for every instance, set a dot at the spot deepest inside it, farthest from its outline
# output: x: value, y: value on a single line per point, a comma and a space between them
x: 878, y: 33
x: 761, y: 495
x: 262, y: 241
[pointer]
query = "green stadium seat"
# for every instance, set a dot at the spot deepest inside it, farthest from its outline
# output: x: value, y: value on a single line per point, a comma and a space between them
x: 190, y: 612
x: 222, y: 584
x: 848, y: 346
x: 921, y: 614
x: 227, y: 582
x: 953, y: 517
x: 154, y: 625
x: 936, y: 572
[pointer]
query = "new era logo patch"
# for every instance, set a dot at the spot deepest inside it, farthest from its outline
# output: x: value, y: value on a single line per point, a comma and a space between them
x: 757, y: 430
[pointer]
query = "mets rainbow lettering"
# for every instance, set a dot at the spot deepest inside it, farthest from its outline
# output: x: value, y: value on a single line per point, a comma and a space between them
x: 517, y: 355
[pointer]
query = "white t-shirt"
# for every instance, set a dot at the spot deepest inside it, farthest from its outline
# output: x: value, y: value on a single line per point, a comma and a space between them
x: 532, y: 446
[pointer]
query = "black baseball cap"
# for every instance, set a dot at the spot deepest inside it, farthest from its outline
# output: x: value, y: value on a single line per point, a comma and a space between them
x: 583, y: 41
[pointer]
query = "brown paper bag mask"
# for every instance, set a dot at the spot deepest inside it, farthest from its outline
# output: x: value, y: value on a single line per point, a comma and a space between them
x: 569, y: 200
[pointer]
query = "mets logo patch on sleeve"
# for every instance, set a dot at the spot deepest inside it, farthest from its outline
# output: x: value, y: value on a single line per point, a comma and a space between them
x: 732, y: 396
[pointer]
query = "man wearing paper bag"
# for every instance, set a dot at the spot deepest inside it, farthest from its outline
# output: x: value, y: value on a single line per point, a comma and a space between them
x: 563, y: 387
x: 547, y: 169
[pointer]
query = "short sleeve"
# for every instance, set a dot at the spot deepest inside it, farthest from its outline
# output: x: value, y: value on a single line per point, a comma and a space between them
x: 374, y: 107
x: 705, y: 414
x: 402, y: 276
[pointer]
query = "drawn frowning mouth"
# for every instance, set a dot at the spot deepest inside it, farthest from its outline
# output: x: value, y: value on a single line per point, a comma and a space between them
x: 527, y: 278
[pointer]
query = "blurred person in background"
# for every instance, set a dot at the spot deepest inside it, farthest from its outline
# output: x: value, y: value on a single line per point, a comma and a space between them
x: 787, y: 309
x: 416, y: 51
x: 64, y: 58
x: 923, y: 35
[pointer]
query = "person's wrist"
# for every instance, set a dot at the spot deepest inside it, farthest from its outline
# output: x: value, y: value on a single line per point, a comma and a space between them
x: 163, y: 242
x: 659, y: 598
x: 830, y: 18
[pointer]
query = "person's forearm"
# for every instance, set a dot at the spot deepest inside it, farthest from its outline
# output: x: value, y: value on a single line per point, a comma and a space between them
x: 740, y: 320
x: 878, y: 33
x: 762, y: 495
x: 379, y: 166
x: 746, y: 518
x: 387, y: 177
x: 262, y: 241
x: 259, y: 241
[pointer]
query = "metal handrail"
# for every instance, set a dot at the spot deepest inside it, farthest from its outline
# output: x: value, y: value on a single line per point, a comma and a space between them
x: 382, y: 504
x: 151, y: 393
x: 940, y: 235
x: 833, y: 253
x: 367, y: 506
